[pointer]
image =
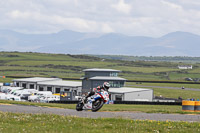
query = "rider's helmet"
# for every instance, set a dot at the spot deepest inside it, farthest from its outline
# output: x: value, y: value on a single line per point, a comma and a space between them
x: 106, y: 85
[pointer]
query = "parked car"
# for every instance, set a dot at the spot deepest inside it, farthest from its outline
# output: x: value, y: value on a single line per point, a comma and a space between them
x: 188, y: 79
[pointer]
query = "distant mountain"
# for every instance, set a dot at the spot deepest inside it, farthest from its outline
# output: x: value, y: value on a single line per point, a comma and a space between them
x: 70, y: 42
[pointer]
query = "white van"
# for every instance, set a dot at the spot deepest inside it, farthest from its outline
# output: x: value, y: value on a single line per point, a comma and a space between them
x: 2, y: 96
x: 38, y: 94
x: 12, y: 97
x: 47, y: 98
x: 9, y: 89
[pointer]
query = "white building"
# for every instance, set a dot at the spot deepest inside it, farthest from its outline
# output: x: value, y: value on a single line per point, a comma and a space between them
x: 185, y: 67
x: 60, y: 86
x: 55, y: 85
x: 131, y: 94
x: 31, y: 83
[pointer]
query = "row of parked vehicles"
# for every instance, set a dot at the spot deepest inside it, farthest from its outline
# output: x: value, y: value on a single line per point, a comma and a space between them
x: 32, y: 95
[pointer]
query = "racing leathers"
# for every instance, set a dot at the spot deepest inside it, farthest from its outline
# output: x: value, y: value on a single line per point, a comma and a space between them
x: 92, y: 92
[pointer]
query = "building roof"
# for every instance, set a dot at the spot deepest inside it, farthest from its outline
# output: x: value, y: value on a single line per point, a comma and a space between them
x: 61, y: 83
x: 106, y: 78
x: 127, y: 90
x: 100, y: 70
x: 36, y: 79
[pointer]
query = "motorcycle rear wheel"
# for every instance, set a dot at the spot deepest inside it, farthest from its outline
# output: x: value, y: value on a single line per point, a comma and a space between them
x: 96, y: 105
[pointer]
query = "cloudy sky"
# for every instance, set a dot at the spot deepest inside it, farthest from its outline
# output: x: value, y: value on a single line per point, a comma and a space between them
x: 131, y: 17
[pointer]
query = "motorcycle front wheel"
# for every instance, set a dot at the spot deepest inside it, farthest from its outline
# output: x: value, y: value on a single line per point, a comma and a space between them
x: 79, y: 106
x: 96, y: 105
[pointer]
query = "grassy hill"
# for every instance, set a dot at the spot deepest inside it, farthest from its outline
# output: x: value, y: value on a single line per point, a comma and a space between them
x: 185, y: 59
x: 71, y: 66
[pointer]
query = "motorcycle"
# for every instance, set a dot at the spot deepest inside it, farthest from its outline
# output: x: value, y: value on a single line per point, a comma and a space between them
x: 94, y: 102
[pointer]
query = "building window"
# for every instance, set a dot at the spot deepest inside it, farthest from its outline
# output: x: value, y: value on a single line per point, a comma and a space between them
x: 113, y: 74
x: 118, y: 97
x: 66, y: 89
x: 75, y: 92
x: 41, y: 88
x: 24, y: 85
x: 49, y: 89
x: 122, y: 84
x: 17, y: 84
x: 31, y: 86
x: 116, y: 84
x: 57, y: 90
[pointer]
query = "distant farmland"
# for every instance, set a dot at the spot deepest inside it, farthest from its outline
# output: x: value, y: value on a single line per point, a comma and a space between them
x: 71, y: 66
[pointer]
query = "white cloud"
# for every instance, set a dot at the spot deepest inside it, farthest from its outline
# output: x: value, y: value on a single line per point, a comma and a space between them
x: 172, y: 5
x: 131, y: 17
x: 106, y: 28
x: 121, y: 6
x: 16, y: 14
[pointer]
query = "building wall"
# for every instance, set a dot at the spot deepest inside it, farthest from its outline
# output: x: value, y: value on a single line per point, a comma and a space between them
x: 133, y: 96
x: 86, y: 85
x: 76, y: 90
x: 20, y: 84
x: 34, y: 85
x: 90, y: 84
x: 114, y: 96
x: 139, y: 96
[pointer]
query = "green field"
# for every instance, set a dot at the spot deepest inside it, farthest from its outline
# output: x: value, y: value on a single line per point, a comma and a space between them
x: 170, y: 93
x: 29, y: 123
x: 71, y: 66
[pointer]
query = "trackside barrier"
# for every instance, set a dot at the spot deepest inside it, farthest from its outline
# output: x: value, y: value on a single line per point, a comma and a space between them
x: 126, y: 102
x: 147, y: 103
x: 64, y: 102
x: 191, y: 106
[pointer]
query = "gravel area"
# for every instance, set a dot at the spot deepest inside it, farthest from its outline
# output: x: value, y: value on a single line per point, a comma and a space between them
x: 89, y: 114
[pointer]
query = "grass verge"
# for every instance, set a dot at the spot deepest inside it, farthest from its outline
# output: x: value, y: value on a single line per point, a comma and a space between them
x: 12, y: 122
x: 165, y: 109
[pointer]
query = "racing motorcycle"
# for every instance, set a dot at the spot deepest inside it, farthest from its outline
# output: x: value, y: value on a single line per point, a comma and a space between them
x: 94, y: 102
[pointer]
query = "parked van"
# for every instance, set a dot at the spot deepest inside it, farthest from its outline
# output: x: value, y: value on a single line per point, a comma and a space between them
x: 37, y: 95
x: 48, y: 98
x: 9, y: 89
x: 2, y: 96
x: 12, y: 97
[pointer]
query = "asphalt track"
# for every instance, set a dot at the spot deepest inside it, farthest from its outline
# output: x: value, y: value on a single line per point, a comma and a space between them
x: 89, y: 114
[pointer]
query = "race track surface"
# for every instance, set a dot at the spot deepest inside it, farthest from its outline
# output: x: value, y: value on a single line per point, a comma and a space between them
x: 89, y: 114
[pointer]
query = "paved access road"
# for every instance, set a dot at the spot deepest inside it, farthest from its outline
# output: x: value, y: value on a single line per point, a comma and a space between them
x: 89, y: 114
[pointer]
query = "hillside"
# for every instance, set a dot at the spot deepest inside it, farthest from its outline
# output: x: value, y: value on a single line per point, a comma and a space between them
x: 71, y: 66
x: 185, y: 59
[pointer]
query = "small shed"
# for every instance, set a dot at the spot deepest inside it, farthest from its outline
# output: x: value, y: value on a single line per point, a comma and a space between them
x: 131, y: 94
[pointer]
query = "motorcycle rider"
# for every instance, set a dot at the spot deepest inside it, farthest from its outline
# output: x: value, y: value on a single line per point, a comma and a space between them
x: 105, y: 87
